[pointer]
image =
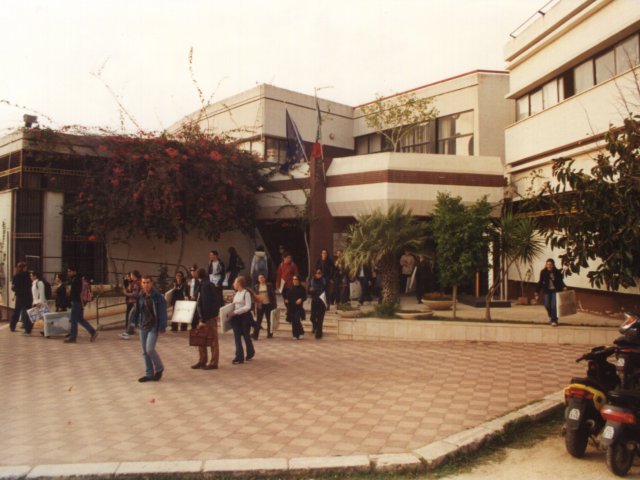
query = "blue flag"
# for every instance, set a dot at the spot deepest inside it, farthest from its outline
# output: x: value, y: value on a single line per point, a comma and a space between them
x: 295, y: 147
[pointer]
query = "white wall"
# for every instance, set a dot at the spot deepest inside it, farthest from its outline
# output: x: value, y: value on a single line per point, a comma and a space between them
x: 52, y: 238
x: 6, y: 248
x: 196, y: 251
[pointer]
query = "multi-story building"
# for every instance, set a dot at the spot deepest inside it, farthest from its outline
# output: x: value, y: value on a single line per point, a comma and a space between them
x: 460, y: 152
x: 573, y: 74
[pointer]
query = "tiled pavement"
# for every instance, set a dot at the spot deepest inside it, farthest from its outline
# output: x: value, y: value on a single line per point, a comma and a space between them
x: 82, y: 403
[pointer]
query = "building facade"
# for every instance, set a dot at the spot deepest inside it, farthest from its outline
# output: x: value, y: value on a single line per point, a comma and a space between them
x: 573, y: 74
x: 460, y: 152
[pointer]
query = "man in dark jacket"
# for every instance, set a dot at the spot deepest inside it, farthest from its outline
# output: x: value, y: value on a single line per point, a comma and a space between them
x: 21, y: 286
x: 150, y: 316
x: 550, y: 282
x: 208, y: 308
x: 77, y: 309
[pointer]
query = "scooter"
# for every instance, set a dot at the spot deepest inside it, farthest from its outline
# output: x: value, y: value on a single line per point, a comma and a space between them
x: 584, y: 398
x: 621, y: 433
x: 628, y: 352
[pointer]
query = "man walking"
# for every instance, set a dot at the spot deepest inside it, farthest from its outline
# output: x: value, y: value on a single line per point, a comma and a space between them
x: 150, y: 315
x: 77, y: 308
x: 21, y: 286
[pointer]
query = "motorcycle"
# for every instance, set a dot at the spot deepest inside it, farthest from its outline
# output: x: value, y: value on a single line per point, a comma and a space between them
x: 621, y: 433
x: 628, y: 352
x: 584, y: 398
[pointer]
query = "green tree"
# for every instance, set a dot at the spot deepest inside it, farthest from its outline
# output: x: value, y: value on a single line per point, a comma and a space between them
x: 519, y: 242
x: 396, y: 117
x: 380, y: 237
x: 595, y: 216
x: 462, y: 240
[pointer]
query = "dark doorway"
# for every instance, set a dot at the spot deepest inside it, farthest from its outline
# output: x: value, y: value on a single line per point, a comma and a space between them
x: 288, y: 234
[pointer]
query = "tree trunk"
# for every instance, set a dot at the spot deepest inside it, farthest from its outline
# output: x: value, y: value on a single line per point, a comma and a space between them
x: 455, y: 300
x: 488, y: 299
x: 389, y: 280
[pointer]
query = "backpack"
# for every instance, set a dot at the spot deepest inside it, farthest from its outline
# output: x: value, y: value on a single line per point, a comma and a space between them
x: 261, y: 266
x: 48, y: 294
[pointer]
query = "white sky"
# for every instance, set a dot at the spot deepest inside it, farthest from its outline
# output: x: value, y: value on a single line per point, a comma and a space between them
x: 52, y: 50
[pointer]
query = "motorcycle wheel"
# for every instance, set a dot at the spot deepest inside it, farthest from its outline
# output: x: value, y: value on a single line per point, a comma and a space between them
x: 619, y: 458
x: 576, y: 441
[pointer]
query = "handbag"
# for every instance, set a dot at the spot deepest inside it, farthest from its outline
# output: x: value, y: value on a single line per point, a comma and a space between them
x: 198, y: 337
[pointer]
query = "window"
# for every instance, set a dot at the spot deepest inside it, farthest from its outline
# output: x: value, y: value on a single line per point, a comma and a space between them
x: 535, y: 102
x: 583, y: 76
x: 276, y: 150
x: 420, y: 139
x: 550, y: 93
x: 627, y: 54
x: 522, y: 107
x: 605, y: 66
x: 362, y: 145
x: 455, y: 134
x: 598, y: 69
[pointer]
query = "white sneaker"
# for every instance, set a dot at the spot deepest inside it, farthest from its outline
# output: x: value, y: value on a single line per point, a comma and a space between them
x: 124, y: 336
x: 301, y: 336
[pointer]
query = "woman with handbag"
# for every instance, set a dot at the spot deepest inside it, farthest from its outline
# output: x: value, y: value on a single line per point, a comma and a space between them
x: 241, y: 320
x: 206, y: 334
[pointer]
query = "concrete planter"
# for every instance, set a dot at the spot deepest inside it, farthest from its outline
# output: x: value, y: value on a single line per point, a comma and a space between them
x: 348, y: 313
x: 415, y: 315
x: 438, y: 304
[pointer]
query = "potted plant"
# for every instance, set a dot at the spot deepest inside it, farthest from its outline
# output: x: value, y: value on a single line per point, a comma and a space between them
x: 437, y: 301
x: 346, y: 310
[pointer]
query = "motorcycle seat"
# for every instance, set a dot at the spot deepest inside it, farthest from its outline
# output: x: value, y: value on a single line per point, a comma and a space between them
x: 588, y: 382
x: 627, y: 341
x: 625, y: 398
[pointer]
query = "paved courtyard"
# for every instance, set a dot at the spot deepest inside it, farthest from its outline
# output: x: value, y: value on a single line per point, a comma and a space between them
x: 82, y: 403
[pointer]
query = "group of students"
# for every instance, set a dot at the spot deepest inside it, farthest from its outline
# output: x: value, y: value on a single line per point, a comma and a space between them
x: 31, y: 290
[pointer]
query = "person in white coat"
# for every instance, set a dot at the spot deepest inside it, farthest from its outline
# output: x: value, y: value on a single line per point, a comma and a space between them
x: 38, y: 291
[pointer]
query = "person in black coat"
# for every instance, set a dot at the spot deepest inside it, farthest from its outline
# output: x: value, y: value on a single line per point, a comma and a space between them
x: 208, y: 308
x: 318, y: 287
x: 549, y: 284
x: 21, y: 287
x: 363, y: 275
x: 294, y: 300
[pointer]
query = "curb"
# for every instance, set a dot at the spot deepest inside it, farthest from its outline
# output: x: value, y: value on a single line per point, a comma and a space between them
x: 427, y: 457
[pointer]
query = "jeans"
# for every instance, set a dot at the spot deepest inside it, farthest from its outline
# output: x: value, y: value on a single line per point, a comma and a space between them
x: 152, y: 362
x: 77, y: 317
x: 241, y: 325
x: 549, y: 300
x: 20, y: 312
x: 264, y: 310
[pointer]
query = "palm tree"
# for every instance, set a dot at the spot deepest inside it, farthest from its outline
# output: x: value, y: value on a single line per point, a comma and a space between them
x: 519, y: 243
x: 380, y: 238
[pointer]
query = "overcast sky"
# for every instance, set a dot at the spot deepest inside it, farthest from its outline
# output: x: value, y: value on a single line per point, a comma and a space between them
x: 68, y: 59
